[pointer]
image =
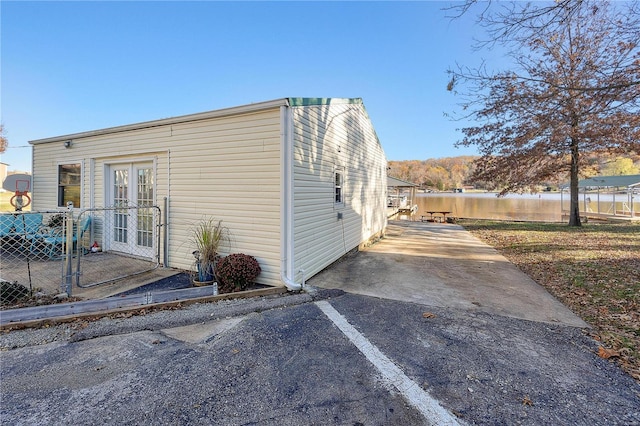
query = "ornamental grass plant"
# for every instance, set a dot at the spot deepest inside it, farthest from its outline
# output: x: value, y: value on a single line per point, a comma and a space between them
x: 208, y: 236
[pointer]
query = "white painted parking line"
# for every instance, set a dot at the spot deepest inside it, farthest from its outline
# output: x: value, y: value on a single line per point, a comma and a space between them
x: 414, y: 394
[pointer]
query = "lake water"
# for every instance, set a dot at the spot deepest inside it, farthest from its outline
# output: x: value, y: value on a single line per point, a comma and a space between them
x: 544, y: 207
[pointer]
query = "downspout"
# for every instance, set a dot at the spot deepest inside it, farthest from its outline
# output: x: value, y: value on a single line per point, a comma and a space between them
x: 165, y: 224
x: 287, y: 274
x: 92, y: 186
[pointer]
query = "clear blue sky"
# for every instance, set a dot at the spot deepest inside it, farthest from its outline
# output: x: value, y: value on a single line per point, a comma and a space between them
x: 76, y: 66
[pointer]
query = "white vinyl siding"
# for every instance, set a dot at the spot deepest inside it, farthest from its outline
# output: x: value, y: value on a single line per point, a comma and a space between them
x: 226, y: 164
x: 226, y: 167
x: 230, y: 169
x: 330, y: 138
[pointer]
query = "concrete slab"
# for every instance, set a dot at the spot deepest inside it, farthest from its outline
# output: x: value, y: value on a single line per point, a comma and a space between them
x: 439, y: 264
x: 202, y: 332
x: 120, y: 286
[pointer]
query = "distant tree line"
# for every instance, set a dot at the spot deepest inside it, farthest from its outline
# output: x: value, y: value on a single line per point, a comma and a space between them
x: 445, y: 174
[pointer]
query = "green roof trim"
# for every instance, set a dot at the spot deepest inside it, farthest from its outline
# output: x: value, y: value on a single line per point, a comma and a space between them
x: 323, y: 101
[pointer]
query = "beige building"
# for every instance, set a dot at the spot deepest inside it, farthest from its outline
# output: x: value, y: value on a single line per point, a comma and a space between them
x: 3, y: 175
x: 298, y: 181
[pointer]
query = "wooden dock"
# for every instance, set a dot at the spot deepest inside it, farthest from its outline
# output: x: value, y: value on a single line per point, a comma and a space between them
x: 607, y: 217
x: 402, y: 211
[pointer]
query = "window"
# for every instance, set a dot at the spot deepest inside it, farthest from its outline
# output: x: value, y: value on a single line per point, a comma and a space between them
x: 69, y: 184
x: 338, y: 185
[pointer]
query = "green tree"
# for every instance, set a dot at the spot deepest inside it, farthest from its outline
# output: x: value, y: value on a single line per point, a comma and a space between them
x: 620, y: 166
x: 573, y: 89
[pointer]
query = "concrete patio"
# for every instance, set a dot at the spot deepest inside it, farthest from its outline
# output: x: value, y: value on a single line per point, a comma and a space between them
x: 441, y: 264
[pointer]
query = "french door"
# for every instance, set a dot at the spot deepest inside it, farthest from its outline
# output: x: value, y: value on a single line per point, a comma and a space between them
x: 131, y: 193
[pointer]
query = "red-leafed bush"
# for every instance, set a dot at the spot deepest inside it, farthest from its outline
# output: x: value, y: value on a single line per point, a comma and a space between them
x: 236, y: 272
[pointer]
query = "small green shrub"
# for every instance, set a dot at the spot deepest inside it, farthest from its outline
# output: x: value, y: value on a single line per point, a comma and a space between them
x: 236, y: 272
x: 11, y: 292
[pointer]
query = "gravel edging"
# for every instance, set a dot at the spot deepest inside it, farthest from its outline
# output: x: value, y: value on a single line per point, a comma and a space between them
x: 130, y: 322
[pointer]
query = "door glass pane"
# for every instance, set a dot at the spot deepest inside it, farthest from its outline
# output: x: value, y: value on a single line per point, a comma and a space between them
x: 145, y: 215
x: 120, y: 193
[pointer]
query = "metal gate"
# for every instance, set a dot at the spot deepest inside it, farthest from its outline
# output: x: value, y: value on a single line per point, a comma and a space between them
x: 117, y: 242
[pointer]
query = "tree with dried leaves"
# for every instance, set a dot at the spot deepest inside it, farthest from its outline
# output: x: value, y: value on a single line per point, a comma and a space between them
x: 4, y: 143
x: 574, y: 89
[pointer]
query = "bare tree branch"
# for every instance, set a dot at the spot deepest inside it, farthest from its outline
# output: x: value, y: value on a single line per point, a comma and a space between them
x: 574, y: 89
x: 4, y: 143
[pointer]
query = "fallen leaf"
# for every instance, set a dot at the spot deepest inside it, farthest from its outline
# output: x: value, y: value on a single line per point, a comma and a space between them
x: 457, y: 413
x: 428, y: 315
x: 527, y: 401
x: 607, y: 353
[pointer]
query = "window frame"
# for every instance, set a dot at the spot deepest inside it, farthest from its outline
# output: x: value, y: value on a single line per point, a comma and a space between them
x: 61, y: 186
x: 338, y: 187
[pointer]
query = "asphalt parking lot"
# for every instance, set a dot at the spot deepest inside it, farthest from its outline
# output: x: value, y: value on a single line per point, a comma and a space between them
x: 331, y: 355
x: 282, y: 360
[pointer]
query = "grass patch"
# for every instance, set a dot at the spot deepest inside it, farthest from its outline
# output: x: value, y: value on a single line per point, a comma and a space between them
x: 594, y: 270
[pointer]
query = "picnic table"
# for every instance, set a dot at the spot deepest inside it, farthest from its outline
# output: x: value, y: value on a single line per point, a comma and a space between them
x: 432, y: 219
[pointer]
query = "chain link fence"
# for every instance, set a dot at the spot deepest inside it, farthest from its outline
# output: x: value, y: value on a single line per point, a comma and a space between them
x: 28, y: 264
x: 51, y: 255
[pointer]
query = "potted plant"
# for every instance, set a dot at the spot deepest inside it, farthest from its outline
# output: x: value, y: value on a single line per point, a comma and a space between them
x: 208, y: 236
x: 237, y: 272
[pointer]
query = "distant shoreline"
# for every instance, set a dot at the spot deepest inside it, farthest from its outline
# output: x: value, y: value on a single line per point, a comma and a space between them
x: 556, y: 196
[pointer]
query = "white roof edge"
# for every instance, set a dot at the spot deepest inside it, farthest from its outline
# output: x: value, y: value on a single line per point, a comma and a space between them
x: 172, y: 120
